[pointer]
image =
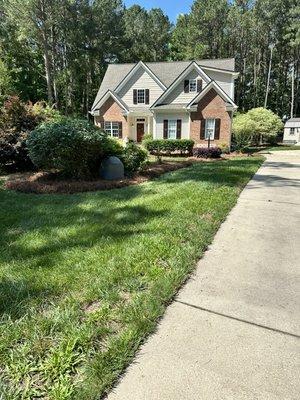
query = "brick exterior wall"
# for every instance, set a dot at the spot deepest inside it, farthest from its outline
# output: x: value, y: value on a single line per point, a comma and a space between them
x: 211, y: 106
x: 111, y: 111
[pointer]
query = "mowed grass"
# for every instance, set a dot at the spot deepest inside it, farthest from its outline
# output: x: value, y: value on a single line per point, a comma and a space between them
x: 85, y: 277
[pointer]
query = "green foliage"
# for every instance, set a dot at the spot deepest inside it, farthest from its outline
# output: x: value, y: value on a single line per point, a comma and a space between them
x: 268, y: 124
x: 133, y: 158
x: 224, y: 148
x: 146, y: 34
x: 17, y: 119
x: 74, y: 147
x: 243, y: 129
x: 255, y: 126
x: 170, y: 146
x: 146, y: 137
x: 5, y: 81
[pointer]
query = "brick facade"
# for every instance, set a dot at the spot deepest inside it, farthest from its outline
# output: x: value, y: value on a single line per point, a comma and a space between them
x: 111, y: 111
x: 211, y: 106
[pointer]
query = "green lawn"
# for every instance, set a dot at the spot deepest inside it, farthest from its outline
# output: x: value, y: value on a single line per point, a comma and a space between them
x: 85, y: 277
x: 283, y: 147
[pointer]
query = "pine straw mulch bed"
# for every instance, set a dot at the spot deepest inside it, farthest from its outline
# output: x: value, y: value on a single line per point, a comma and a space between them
x: 48, y: 183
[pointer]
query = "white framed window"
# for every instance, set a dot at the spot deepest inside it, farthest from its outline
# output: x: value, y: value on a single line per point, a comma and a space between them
x: 112, y: 128
x: 141, y: 96
x: 292, y: 131
x: 210, y: 128
x: 172, y: 129
x: 192, y: 85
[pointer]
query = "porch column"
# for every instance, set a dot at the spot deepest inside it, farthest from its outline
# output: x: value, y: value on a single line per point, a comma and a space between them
x: 148, y: 124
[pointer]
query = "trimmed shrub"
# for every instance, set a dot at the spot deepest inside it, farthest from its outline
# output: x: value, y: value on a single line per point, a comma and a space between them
x: 74, y: 147
x: 207, y: 152
x: 169, y: 146
x: 133, y: 158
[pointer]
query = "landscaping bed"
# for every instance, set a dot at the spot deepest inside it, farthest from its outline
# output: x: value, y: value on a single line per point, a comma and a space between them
x: 85, y: 277
x: 45, y: 182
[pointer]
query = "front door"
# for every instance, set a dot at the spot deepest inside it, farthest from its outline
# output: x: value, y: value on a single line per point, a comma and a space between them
x: 140, y: 130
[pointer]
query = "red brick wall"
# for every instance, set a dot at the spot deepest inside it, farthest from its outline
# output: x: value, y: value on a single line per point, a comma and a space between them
x: 211, y: 106
x: 111, y: 111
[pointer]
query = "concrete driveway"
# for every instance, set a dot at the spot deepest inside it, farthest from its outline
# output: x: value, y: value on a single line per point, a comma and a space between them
x: 233, y: 332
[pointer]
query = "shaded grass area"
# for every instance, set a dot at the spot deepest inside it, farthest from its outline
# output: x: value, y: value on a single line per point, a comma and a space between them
x: 85, y: 277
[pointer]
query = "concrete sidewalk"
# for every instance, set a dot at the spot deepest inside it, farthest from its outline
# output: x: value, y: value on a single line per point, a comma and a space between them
x: 233, y: 332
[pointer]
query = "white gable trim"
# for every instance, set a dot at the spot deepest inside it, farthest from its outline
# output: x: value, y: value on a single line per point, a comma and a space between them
x: 131, y: 73
x: 105, y: 97
x: 218, y: 89
x: 234, y: 74
x: 189, y: 68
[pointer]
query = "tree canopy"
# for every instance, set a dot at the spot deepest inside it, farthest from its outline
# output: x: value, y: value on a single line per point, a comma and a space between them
x: 58, y: 50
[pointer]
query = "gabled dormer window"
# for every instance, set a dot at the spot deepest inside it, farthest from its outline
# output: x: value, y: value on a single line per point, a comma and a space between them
x: 141, y: 96
x: 192, y: 85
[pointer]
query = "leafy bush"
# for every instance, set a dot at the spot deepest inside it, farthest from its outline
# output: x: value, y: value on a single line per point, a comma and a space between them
x: 169, y: 146
x: 17, y: 119
x: 254, y: 127
x: 75, y: 147
x: 147, y: 137
x: 133, y: 158
x: 224, y: 148
x: 207, y: 152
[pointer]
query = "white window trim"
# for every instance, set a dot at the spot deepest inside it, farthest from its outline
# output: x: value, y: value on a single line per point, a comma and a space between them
x: 292, y: 130
x: 175, y: 123
x: 112, y: 131
x: 212, y: 136
x: 194, y: 81
x: 137, y: 96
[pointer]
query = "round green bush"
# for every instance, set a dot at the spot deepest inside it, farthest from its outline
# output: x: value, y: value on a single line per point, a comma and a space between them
x: 74, y: 147
x: 133, y: 158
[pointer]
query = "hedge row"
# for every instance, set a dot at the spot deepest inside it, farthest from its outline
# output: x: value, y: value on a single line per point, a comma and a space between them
x: 170, y: 146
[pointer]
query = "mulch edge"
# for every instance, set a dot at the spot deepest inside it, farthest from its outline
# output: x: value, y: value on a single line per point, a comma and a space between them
x: 34, y: 184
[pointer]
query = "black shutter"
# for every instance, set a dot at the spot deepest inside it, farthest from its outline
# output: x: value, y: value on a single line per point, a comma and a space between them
x: 217, y: 128
x: 120, y: 130
x: 202, y: 129
x: 134, y: 96
x: 178, y: 131
x: 199, y: 85
x: 147, y: 95
x: 165, y: 129
x: 186, y: 86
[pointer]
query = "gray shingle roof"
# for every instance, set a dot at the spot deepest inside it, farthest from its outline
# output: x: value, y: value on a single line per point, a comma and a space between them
x: 293, y: 120
x: 167, y: 72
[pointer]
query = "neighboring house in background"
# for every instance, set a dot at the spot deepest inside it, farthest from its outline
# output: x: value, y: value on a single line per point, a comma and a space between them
x: 291, y: 134
x: 180, y: 99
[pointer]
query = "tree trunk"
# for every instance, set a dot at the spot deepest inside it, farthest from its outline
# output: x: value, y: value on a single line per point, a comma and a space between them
x: 48, y: 74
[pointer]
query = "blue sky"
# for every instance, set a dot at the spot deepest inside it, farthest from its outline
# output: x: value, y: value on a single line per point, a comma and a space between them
x: 170, y: 7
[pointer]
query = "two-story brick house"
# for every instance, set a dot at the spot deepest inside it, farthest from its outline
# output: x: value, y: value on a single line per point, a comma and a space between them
x: 180, y: 99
